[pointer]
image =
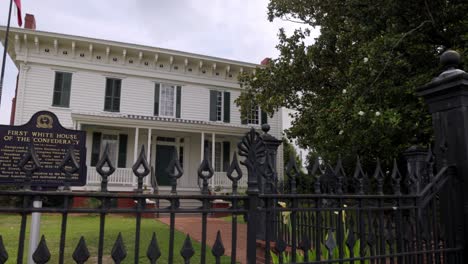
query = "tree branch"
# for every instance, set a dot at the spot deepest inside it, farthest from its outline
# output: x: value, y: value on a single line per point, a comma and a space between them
x: 393, y: 48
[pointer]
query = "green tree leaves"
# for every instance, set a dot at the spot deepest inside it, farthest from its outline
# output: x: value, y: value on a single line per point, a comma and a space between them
x: 353, y: 88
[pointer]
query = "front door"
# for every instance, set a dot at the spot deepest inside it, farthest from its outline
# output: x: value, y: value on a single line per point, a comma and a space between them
x: 164, y: 155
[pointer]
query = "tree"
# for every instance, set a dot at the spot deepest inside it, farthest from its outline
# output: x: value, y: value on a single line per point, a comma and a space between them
x: 354, y: 87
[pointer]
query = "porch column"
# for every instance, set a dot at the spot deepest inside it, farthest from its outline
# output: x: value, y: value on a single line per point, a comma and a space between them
x: 202, y: 146
x: 148, y: 156
x: 213, y: 145
x: 135, y: 152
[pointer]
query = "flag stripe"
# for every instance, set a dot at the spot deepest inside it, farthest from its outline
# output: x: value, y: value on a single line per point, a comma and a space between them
x: 18, y: 8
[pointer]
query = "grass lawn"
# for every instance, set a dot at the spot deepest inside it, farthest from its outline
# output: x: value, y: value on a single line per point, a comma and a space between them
x: 88, y: 226
x: 240, y: 219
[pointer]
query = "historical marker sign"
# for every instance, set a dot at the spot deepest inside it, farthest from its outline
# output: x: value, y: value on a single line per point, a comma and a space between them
x: 51, y: 142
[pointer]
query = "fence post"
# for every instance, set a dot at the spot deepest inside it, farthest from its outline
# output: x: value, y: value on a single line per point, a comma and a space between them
x: 268, y: 183
x: 252, y: 148
x: 447, y: 99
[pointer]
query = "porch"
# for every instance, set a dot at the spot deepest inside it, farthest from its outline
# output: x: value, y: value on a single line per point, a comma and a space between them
x: 161, y: 143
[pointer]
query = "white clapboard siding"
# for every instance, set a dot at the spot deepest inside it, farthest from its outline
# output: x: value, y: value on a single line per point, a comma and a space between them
x: 195, y: 103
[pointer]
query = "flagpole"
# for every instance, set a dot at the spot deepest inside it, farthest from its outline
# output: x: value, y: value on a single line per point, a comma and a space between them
x: 5, y: 52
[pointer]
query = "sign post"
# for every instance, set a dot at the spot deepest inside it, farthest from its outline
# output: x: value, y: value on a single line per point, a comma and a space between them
x: 51, y: 142
x: 35, y: 229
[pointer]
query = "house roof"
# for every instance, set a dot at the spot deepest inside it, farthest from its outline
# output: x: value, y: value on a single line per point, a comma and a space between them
x: 44, y: 36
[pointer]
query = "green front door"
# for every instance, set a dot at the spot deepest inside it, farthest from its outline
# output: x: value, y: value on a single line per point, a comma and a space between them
x: 164, y: 154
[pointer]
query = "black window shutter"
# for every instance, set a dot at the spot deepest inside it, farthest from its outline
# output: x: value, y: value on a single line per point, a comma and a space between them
x: 226, y: 154
x: 178, y: 100
x: 213, y: 99
x: 116, y: 102
x: 227, y: 107
x: 156, y: 99
x: 95, y: 149
x: 264, y: 117
x: 66, y: 87
x: 58, y: 89
x: 108, y: 96
x: 122, y: 159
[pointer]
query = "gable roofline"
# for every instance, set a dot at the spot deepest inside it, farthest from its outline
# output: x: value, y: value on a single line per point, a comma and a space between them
x: 124, y: 45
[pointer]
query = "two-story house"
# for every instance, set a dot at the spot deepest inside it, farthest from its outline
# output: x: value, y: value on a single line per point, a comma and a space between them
x: 127, y: 95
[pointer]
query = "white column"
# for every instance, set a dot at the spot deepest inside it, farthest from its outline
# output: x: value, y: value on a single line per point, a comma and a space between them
x: 148, y: 158
x: 202, y: 145
x: 135, y: 152
x: 213, y: 146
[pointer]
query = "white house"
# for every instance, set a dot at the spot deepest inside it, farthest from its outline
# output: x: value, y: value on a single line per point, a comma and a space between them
x: 128, y: 95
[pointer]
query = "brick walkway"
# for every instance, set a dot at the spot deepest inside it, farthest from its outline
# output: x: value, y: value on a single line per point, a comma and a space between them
x: 192, y: 226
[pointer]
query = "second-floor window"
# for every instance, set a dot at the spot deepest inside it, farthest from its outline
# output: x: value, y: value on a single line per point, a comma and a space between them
x: 220, y: 106
x: 62, y: 87
x: 167, y: 99
x: 112, y: 98
x: 255, y: 117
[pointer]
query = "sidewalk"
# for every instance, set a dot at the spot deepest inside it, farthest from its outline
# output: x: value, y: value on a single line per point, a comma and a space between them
x: 192, y: 225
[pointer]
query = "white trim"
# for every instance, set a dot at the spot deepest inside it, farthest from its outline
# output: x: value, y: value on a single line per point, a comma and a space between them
x: 63, y: 69
x: 202, y: 145
x: 114, y: 75
x: 122, y: 45
x: 117, y: 119
x: 213, y: 148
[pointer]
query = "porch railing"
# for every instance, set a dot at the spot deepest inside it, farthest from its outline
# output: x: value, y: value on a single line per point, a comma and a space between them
x: 220, y: 179
x: 121, y: 176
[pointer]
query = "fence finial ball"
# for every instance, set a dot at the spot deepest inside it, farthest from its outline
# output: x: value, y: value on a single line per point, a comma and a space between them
x: 450, y: 59
x: 265, y: 128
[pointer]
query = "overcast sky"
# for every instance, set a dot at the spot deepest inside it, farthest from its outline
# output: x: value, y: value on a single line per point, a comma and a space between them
x: 231, y: 29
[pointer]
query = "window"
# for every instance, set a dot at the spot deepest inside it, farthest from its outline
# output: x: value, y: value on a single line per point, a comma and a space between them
x: 253, y: 117
x: 167, y: 100
x: 166, y: 107
x: 112, y: 98
x: 217, y: 160
x: 62, y: 87
x: 112, y: 142
x: 220, y: 106
x: 222, y: 154
x: 117, y: 148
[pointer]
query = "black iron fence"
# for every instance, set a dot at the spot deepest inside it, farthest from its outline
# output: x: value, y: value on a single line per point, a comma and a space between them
x: 346, y: 220
x: 415, y: 215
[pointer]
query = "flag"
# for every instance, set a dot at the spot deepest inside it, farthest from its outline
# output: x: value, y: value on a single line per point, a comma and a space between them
x: 18, y: 8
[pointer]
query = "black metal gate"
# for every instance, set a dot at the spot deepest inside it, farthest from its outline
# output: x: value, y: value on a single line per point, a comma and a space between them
x: 410, y: 215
